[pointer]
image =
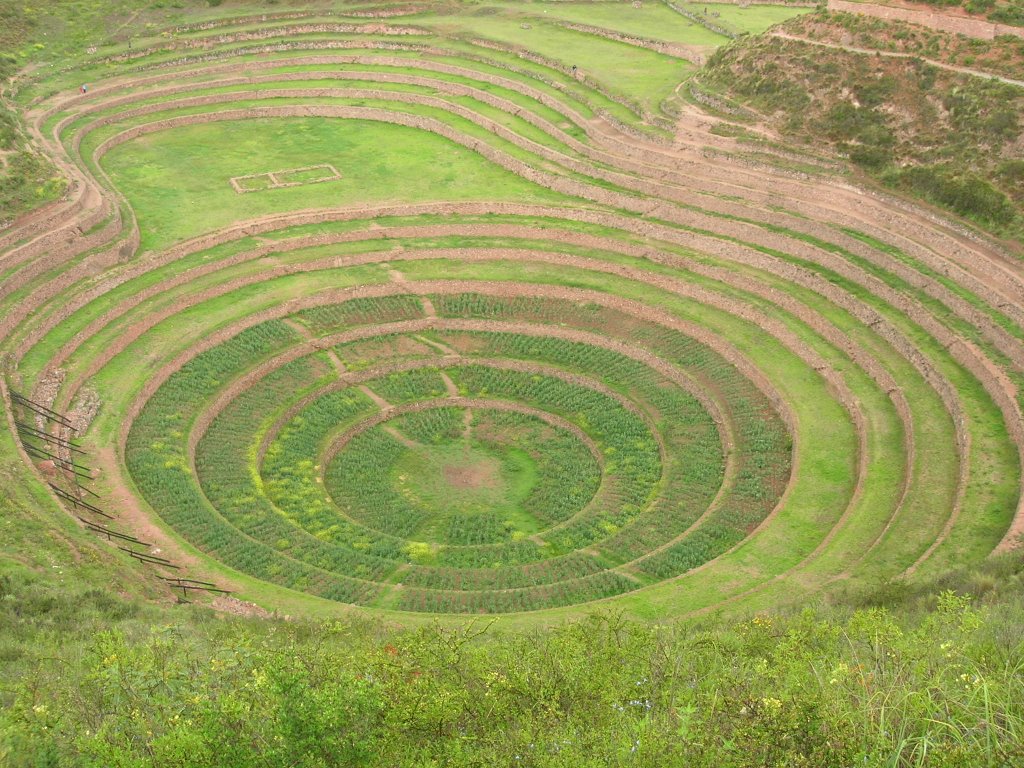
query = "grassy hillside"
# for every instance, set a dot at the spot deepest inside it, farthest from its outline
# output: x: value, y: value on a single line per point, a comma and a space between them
x: 434, y: 383
x: 949, y: 137
x: 1004, y: 56
x: 1001, y: 11
x: 929, y: 677
x: 27, y: 178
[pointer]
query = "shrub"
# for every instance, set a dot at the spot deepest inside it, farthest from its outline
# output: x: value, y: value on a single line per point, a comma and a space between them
x: 966, y: 194
x: 1011, y: 173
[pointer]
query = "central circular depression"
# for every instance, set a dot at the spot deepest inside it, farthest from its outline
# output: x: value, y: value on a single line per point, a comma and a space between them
x: 464, y: 475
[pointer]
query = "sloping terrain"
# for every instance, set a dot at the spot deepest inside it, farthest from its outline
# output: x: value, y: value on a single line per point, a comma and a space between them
x: 919, y: 110
x: 411, y: 314
x: 268, y: 266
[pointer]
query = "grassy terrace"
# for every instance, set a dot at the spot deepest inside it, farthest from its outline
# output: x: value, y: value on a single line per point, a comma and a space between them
x: 532, y: 399
x: 762, y: 398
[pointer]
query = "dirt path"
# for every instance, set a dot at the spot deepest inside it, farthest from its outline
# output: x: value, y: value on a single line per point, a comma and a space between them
x: 138, y: 521
x: 379, y: 401
x: 408, y: 442
x: 451, y: 389
x: 899, y: 55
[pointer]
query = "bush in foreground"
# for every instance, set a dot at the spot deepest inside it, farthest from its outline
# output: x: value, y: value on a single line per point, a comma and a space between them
x: 936, y: 680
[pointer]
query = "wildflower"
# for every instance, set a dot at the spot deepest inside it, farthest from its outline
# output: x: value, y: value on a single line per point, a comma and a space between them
x: 771, y: 705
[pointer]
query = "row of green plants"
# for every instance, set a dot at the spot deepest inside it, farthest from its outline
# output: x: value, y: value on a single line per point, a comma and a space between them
x: 756, y: 490
x: 360, y: 479
x: 290, y: 475
x: 226, y: 477
x: 550, y: 570
x: 226, y: 521
x: 364, y: 478
x: 773, y: 456
x: 409, y: 386
x: 763, y: 445
x: 636, y: 528
x: 632, y: 464
x: 289, y: 472
x: 432, y: 428
x: 583, y: 589
x: 227, y: 484
x: 735, y: 377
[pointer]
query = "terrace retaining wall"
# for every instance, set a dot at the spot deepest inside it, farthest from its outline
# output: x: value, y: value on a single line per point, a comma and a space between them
x: 961, y: 25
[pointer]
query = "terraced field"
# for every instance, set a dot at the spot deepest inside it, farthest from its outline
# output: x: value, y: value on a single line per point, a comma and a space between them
x: 384, y: 310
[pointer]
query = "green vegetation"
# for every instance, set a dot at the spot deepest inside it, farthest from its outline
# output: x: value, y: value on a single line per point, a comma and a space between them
x: 822, y: 687
x: 953, y: 133
x: 1000, y: 11
x: 27, y: 179
x: 487, y: 487
x: 1002, y: 56
x: 653, y: 21
x: 966, y: 194
x: 639, y: 75
x: 388, y: 495
x: 178, y: 180
x: 479, y: 383
x: 753, y: 19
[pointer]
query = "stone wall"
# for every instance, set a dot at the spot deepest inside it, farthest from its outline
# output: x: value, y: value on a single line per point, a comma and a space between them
x: 964, y: 25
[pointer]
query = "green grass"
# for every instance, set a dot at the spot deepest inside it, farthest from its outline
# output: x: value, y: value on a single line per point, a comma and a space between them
x: 653, y: 20
x: 634, y: 73
x: 754, y: 19
x: 993, y: 468
x: 472, y: 129
x: 320, y: 79
x: 696, y: 506
x: 178, y: 180
x: 491, y: 386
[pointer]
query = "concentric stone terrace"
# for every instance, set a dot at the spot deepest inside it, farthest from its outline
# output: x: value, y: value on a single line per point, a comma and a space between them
x: 382, y: 314
x: 500, y: 449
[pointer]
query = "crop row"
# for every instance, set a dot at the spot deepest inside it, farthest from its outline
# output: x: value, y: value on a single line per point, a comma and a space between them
x: 165, y: 480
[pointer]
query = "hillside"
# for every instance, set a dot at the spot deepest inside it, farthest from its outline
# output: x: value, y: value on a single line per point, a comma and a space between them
x: 919, y: 678
x: 1009, y: 12
x: 953, y: 138
x: 485, y: 383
